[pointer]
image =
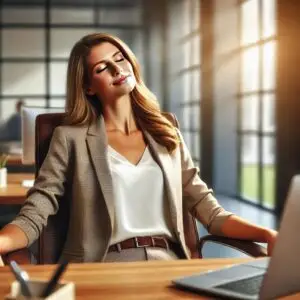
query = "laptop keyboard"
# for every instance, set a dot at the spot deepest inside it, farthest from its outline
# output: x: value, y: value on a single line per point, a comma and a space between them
x: 250, y: 286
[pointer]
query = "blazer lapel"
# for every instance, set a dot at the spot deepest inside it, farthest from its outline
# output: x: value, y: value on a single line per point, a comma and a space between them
x: 163, y: 159
x: 97, y: 145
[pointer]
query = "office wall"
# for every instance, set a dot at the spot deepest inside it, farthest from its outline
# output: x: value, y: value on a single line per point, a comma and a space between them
x: 225, y: 88
x: 155, y: 64
x: 288, y: 93
x: 175, y: 57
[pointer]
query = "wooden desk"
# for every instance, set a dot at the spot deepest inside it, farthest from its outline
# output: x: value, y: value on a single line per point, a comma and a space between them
x: 14, y: 160
x: 15, y: 193
x: 138, y: 280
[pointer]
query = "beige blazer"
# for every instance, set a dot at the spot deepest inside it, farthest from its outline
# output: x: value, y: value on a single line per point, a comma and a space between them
x: 77, y: 166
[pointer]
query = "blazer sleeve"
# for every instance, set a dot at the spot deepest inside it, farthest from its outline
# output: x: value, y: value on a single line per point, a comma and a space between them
x: 42, y: 198
x: 199, y: 199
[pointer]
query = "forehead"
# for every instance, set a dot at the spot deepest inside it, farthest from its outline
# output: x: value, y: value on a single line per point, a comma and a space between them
x: 100, y: 52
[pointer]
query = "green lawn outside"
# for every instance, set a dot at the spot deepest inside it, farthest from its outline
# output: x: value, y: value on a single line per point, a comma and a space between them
x: 250, y: 182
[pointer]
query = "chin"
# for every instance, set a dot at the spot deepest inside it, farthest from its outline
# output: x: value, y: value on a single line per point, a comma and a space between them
x: 127, y: 88
x: 120, y: 92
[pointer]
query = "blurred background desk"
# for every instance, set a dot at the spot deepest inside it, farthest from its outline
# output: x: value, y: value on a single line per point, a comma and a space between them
x: 15, y: 165
x: 13, y: 196
x: 15, y: 193
x: 14, y: 160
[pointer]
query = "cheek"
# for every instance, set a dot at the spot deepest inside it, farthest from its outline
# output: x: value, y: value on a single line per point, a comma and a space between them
x: 99, y: 81
x: 127, y: 67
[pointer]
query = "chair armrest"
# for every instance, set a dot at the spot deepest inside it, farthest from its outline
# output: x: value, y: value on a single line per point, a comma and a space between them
x: 22, y: 256
x: 247, y: 247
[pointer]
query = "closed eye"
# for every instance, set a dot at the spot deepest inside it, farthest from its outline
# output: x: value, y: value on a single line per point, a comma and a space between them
x: 100, y: 70
x: 104, y: 67
x: 120, y: 59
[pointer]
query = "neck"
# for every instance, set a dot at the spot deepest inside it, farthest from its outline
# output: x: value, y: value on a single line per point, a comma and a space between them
x: 119, y: 116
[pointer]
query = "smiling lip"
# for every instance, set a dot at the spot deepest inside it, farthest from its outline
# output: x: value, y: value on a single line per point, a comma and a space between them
x: 120, y: 80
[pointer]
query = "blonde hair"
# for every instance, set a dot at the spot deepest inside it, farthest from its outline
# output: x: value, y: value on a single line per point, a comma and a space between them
x: 83, y: 109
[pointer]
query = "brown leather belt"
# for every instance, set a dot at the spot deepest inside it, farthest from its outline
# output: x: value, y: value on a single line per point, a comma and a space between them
x: 144, y: 241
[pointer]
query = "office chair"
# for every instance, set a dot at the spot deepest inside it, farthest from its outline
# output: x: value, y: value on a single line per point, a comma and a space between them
x: 52, y: 239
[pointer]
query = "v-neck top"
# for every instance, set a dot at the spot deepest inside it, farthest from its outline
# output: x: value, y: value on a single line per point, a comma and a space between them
x: 140, y: 209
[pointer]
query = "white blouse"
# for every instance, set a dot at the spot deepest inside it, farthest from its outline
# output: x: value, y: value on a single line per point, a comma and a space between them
x: 140, y: 209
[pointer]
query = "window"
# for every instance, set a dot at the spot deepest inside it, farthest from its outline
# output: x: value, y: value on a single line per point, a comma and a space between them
x: 256, y: 128
x: 189, y: 74
x: 35, y: 45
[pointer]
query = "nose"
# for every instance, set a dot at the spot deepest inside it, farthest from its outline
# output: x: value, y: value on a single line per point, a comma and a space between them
x: 116, y: 69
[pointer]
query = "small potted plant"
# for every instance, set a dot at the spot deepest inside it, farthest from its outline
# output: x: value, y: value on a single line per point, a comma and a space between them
x: 3, y: 170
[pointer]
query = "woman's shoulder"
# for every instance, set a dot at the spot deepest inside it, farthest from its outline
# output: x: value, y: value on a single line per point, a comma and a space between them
x: 74, y: 131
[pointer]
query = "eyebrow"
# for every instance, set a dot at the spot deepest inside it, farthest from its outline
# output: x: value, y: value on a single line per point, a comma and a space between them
x: 103, y: 60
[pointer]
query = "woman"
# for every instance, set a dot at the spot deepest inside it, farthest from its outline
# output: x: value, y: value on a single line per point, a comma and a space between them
x: 124, y: 166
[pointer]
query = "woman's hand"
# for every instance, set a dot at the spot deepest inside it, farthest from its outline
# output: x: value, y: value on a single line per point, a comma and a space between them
x: 2, y: 244
x: 12, y: 238
x: 271, y: 236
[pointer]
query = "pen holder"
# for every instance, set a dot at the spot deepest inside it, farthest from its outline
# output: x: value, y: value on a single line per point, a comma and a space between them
x: 63, y: 291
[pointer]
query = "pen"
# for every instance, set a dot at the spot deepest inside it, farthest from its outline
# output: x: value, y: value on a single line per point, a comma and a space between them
x: 22, y: 277
x: 54, y: 279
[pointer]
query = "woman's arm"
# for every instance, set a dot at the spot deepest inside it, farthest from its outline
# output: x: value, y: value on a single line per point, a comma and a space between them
x: 238, y: 228
x: 42, y: 199
x: 197, y: 196
x: 205, y: 207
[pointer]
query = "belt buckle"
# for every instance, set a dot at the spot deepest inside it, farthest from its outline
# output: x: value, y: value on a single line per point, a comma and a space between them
x: 161, y: 238
x: 137, y: 245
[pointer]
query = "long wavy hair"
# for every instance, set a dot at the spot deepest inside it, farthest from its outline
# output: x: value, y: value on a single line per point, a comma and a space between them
x: 83, y: 109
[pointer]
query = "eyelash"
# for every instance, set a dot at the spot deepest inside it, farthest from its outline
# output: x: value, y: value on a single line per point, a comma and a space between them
x: 101, y: 70
x: 98, y: 71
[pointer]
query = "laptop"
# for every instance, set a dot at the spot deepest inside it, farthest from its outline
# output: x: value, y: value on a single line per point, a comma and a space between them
x: 263, y: 278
